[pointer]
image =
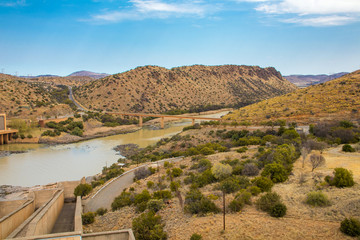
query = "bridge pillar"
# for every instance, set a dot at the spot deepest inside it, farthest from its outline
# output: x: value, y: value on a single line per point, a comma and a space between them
x: 6, y: 138
x: 140, y: 121
x: 193, y: 121
x: 162, y: 123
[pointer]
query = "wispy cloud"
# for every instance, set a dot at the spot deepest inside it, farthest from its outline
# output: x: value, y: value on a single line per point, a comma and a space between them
x: 10, y: 3
x: 313, y: 12
x: 143, y: 9
x: 322, y: 21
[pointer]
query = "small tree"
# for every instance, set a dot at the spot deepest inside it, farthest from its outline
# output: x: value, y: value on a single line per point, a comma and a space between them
x: 348, y: 148
x: 82, y: 190
x: 342, y: 178
x: 316, y: 160
x: 221, y: 171
x: 305, y: 150
x: 148, y: 226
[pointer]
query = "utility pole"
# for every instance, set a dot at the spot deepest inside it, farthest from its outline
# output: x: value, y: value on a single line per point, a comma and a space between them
x: 224, y: 208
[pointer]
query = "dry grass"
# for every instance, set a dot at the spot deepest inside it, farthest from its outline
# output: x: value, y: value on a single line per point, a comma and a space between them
x: 336, y: 99
x: 301, y: 222
x: 154, y: 89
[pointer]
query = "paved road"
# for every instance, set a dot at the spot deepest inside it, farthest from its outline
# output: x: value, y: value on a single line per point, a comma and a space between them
x: 72, y: 99
x: 105, y: 196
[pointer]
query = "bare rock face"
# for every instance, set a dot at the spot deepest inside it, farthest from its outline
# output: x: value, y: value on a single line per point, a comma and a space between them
x: 155, y: 89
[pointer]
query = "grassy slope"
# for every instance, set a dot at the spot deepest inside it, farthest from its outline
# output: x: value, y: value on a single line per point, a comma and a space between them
x: 336, y: 99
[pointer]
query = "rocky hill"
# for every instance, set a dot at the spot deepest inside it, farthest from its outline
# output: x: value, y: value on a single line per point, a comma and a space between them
x: 155, y: 89
x: 19, y: 97
x: 334, y: 100
x: 307, y: 80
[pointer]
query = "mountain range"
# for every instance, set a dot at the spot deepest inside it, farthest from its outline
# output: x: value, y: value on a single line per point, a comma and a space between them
x: 307, y: 80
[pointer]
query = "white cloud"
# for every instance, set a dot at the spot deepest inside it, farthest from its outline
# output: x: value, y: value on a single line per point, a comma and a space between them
x: 142, y: 9
x: 13, y: 3
x: 321, y: 21
x: 304, y: 7
x: 313, y: 12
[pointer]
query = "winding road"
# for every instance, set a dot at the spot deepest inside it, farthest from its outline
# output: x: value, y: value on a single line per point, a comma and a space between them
x: 106, y: 195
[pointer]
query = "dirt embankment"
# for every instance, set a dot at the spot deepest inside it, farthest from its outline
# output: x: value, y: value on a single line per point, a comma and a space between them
x: 90, y: 134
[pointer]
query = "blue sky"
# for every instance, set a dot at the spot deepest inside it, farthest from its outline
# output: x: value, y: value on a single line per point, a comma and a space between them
x: 63, y: 36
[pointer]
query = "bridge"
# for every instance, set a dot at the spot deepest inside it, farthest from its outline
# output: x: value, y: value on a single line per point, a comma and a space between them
x: 5, y: 134
x: 142, y: 115
x: 162, y: 117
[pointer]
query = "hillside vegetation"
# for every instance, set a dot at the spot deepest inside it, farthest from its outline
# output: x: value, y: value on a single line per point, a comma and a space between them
x: 155, y: 89
x: 19, y: 97
x: 334, y: 100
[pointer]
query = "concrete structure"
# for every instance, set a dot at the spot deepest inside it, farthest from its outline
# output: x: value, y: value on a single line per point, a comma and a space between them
x: 17, y: 214
x: 5, y: 134
x: 162, y: 117
x: 125, y: 234
x: 50, y: 213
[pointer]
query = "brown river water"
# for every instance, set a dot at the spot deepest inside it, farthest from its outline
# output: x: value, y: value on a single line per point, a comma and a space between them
x: 43, y: 164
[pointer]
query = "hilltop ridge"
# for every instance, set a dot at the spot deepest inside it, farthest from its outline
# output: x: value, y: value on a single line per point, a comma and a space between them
x: 156, y: 89
x: 335, y: 99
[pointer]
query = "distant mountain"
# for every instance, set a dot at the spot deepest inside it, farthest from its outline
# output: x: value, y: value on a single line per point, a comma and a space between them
x: 154, y: 89
x: 307, y: 80
x: 337, y: 99
x: 88, y: 74
x: 45, y: 75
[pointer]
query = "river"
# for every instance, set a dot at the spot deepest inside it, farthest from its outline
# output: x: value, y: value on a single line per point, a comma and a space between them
x: 44, y: 164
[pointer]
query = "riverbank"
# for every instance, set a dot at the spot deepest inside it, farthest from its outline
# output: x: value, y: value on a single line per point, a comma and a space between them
x: 88, y: 135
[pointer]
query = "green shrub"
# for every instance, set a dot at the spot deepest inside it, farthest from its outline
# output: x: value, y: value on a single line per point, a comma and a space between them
x: 82, y: 190
x: 348, y: 148
x: 77, y: 132
x: 268, y: 201
x: 162, y: 194
x: 22, y: 136
x: 236, y: 205
x: 265, y: 184
x: 148, y: 226
x: 278, y: 210
x: 197, y: 203
x: 124, y: 199
x: 239, y: 201
x: 196, y: 236
x: 276, y: 172
x: 150, y: 184
x: 254, y: 190
x: 342, y: 178
x: 94, y: 184
x: 101, y: 211
x: 350, y: 227
x: 242, y: 150
x: 221, y: 171
x: 174, y: 186
x: 176, y: 172
x: 207, y: 151
x: 88, y: 218
x: 317, y: 199
x: 29, y: 136
x: 144, y: 196
x: 233, y: 184
x: 155, y: 205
